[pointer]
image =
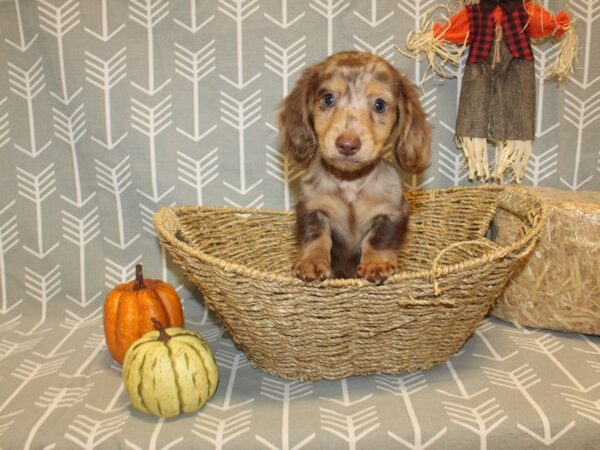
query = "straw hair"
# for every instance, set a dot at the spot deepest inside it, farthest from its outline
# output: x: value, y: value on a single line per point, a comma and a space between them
x: 475, y: 151
x: 241, y: 260
x: 564, y: 66
x: 439, y: 53
x: 512, y: 157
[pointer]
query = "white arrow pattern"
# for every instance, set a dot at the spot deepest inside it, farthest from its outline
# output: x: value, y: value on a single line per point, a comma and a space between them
x: 239, y: 11
x: 196, y: 23
x: 4, y: 125
x: 105, y: 75
x: 151, y: 121
x: 194, y: 67
x: 285, y: 22
x: 522, y: 379
x: 58, y: 21
x: 329, y: 9
x: 37, y: 189
x: 405, y: 387
x: 110, y: 110
x: 105, y: 34
x: 80, y: 232
x: 149, y: 14
x: 586, y: 12
x: 23, y: 45
x: 28, y: 84
x: 116, y: 180
x: 88, y: 433
x: 285, y: 392
x: 9, y: 238
x: 581, y: 114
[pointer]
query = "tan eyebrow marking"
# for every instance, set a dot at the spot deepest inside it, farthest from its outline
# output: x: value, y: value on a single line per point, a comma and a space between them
x: 382, y: 76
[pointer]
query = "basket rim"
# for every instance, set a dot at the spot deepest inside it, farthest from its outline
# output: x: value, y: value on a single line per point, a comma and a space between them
x: 162, y: 222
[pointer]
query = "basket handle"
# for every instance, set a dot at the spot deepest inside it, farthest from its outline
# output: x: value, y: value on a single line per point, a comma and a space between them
x: 436, y: 261
x: 531, y: 210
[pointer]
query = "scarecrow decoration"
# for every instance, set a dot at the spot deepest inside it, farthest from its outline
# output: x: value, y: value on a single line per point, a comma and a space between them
x: 497, y: 99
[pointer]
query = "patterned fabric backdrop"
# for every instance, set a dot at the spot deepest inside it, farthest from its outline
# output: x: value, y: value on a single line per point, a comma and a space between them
x: 109, y: 110
x: 112, y: 109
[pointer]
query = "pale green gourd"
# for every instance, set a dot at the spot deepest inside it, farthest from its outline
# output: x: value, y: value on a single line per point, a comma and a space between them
x: 169, y: 372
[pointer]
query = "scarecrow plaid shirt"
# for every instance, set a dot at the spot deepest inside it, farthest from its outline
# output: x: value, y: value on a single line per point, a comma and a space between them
x: 482, y: 32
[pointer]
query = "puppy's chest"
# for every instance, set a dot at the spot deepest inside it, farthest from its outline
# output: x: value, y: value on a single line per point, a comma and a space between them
x: 350, y: 193
x: 353, y: 205
x: 353, y: 213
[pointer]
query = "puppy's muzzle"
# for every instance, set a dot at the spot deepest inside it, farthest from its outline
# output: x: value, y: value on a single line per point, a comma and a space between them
x: 348, y: 144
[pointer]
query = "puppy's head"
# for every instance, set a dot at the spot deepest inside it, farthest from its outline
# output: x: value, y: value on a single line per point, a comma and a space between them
x: 348, y: 107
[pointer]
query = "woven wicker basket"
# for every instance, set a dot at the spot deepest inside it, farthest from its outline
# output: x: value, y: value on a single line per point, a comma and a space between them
x: 450, y: 275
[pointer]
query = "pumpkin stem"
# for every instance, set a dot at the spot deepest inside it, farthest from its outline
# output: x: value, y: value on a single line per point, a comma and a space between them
x: 139, y: 278
x: 163, y: 336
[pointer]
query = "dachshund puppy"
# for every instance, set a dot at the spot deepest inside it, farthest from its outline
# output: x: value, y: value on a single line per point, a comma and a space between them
x: 352, y: 216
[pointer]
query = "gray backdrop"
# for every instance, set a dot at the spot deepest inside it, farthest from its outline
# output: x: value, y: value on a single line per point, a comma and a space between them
x: 109, y: 110
x: 112, y: 109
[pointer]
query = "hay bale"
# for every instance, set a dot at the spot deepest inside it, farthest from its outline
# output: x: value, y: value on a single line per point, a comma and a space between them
x: 559, y: 286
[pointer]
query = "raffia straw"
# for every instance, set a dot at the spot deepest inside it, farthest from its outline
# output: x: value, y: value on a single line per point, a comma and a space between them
x: 521, y: 159
x: 456, y: 5
x: 476, y: 155
x: 424, y: 43
x: 512, y: 156
x: 505, y: 151
x: 564, y: 65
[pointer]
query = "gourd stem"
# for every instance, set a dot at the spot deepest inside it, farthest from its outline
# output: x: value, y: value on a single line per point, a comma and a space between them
x: 139, y: 278
x: 162, y: 336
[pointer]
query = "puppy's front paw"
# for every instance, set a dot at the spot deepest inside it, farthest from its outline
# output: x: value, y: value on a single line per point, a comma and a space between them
x: 376, y: 270
x: 311, y: 269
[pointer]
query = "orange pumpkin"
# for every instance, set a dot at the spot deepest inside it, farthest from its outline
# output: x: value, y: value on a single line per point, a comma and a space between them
x: 130, y: 307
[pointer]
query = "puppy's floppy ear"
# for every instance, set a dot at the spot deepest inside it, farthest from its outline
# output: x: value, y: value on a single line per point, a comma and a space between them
x: 412, y: 146
x: 295, y: 118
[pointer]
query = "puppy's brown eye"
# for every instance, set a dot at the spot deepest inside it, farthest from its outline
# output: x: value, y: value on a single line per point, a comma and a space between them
x: 328, y: 100
x: 379, y: 106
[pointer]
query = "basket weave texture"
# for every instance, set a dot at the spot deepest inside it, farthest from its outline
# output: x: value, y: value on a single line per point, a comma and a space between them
x: 448, y: 278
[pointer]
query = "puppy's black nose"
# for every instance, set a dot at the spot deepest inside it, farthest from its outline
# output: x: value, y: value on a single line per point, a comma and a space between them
x: 348, y: 144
